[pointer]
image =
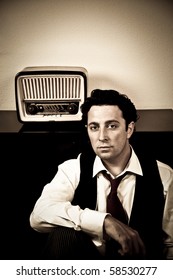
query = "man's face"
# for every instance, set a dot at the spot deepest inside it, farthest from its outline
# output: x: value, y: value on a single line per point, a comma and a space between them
x: 107, y: 132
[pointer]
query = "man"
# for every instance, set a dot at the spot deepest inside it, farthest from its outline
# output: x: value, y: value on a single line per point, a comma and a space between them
x: 75, y: 206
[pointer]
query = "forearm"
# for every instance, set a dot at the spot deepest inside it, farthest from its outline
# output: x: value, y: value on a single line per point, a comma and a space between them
x: 47, y: 215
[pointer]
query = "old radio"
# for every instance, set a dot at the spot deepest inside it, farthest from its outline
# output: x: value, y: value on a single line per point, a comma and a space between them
x: 46, y: 94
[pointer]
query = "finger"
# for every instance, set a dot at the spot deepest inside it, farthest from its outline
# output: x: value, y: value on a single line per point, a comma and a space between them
x: 131, y: 243
x: 126, y: 242
x: 139, y: 246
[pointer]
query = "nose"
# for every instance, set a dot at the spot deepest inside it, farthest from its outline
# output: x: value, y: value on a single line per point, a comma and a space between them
x: 103, y: 135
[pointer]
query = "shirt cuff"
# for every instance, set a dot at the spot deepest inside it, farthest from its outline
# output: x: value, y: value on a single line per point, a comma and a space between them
x: 92, y: 222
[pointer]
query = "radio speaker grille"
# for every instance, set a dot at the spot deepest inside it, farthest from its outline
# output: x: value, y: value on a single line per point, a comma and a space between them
x: 51, y: 88
x: 50, y: 94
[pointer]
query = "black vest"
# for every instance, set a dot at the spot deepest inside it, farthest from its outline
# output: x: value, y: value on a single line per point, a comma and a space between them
x: 148, y: 205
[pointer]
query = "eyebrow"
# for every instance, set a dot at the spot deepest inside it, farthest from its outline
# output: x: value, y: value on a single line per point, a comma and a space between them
x: 107, y: 122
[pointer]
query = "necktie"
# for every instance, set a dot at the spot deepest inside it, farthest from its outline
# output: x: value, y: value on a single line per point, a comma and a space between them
x: 114, y: 206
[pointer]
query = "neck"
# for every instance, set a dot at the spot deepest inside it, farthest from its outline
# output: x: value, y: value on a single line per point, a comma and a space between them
x: 116, y: 166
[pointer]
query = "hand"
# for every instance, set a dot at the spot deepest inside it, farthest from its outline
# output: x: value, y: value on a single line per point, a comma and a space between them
x: 128, y: 238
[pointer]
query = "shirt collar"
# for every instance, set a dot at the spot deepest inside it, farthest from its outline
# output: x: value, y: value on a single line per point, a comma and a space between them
x: 132, y: 166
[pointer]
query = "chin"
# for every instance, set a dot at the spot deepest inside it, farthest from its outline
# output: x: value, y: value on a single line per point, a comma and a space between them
x: 105, y: 156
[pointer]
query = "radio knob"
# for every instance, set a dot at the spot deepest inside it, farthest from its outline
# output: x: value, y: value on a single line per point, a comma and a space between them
x: 32, y: 109
x: 71, y: 108
x: 40, y: 108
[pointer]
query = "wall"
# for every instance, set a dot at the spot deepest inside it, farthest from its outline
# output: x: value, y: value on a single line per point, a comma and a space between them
x: 125, y: 45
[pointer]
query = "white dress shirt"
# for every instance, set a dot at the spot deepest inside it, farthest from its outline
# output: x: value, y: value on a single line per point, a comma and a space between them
x: 54, y: 205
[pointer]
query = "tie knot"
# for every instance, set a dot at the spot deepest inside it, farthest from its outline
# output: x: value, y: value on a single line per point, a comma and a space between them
x: 114, y: 182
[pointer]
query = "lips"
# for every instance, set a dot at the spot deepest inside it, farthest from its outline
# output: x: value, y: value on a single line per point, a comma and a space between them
x: 104, y: 147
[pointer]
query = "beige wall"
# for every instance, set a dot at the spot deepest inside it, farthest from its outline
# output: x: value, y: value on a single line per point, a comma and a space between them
x: 126, y: 45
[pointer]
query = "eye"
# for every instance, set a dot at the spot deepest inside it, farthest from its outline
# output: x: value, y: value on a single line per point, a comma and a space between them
x: 112, y: 126
x: 93, y: 127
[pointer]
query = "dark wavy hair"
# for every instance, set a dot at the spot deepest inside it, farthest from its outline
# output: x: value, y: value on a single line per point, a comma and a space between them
x: 110, y: 97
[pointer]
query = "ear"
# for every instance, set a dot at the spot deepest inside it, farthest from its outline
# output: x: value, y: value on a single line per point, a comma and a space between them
x: 130, y: 129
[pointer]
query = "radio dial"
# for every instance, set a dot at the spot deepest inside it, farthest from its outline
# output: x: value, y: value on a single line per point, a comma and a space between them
x: 52, y: 108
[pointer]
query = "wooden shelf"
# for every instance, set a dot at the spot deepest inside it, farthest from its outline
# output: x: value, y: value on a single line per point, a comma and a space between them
x: 149, y: 121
